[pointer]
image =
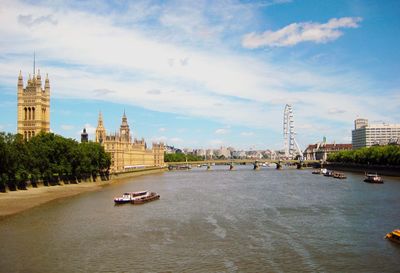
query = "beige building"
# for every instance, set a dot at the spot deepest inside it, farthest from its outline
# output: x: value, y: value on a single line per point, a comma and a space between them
x: 127, y: 153
x: 321, y: 150
x: 367, y: 135
x: 33, y: 106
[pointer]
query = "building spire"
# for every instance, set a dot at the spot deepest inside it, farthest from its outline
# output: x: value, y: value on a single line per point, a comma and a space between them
x: 100, y: 121
x: 34, y: 63
x: 20, y: 80
x: 124, y: 119
x: 39, y: 78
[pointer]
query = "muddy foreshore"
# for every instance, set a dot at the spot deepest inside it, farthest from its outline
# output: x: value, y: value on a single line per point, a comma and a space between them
x: 13, y: 202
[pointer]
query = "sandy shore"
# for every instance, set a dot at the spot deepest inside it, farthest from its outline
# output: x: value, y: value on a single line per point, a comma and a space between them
x: 17, y: 201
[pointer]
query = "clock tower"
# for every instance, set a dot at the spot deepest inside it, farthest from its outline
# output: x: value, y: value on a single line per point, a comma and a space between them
x: 124, y: 131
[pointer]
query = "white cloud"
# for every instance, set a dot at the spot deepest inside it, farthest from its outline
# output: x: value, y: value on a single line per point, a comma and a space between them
x: 334, y: 111
x: 67, y: 127
x: 30, y: 21
x: 124, y: 64
x: 163, y: 139
x: 215, y: 143
x: 167, y: 140
x: 175, y: 140
x: 221, y: 131
x: 247, y: 134
x: 301, y: 32
x: 91, y: 130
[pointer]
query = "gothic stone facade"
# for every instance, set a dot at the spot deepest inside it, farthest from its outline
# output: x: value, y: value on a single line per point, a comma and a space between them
x: 33, y: 106
x: 127, y: 153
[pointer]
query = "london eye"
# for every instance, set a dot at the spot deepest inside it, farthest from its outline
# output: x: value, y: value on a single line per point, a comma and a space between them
x: 291, y: 146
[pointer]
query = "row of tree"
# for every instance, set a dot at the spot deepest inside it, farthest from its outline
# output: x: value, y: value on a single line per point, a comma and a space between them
x: 179, y: 157
x: 49, y: 158
x: 376, y: 155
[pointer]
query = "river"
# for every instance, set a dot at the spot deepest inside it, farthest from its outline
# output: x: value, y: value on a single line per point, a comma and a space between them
x: 213, y: 221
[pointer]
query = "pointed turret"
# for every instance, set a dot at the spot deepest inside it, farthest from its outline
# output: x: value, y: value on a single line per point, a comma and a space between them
x: 47, y: 85
x: 100, y: 131
x: 100, y: 120
x: 20, y: 80
x: 39, y: 78
x: 124, y: 119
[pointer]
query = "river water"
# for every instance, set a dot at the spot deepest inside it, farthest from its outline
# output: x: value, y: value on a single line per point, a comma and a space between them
x: 213, y: 221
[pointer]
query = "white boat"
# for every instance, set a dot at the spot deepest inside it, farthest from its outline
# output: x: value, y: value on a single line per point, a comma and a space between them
x: 128, y: 197
x: 373, y: 178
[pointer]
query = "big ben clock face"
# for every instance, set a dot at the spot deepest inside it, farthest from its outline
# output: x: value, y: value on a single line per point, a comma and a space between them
x: 123, y: 131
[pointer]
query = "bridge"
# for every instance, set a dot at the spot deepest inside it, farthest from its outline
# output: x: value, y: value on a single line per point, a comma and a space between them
x: 232, y: 162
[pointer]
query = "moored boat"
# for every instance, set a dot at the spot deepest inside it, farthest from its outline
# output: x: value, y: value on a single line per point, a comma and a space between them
x: 149, y: 196
x: 394, y: 236
x: 316, y: 172
x: 338, y: 175
x: 328, y: 173
x: 373, y: 178
x: 127, y: 197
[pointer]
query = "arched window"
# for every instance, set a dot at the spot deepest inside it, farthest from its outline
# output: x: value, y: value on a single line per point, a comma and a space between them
x: 29, y: 113
x: 29, y: 135
x: 33, y: 113
x: 26, y: 114
x: 33, y: 133
x: 25, y: 135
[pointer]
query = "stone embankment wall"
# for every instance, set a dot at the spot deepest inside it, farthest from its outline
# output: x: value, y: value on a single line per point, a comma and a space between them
x: 113, y: 176
x: 138, y: 172
x: 362, y: 168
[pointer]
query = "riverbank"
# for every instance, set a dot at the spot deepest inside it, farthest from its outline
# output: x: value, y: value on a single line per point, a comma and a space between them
x: 14, y: 202
x: 362, y: 168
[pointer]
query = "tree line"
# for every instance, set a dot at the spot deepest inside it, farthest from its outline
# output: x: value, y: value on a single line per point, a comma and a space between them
x: 375, y: 155
x: 179, y: 157
x: 49, y: 158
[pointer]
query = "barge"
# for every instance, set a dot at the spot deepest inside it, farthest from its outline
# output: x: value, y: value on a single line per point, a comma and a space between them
x: 373, y: 178
x: 127, y: 197
x: 394, y: 236
x: 139, y: 197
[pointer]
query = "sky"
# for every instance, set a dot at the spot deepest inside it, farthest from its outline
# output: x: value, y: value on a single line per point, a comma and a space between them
x: 205, y: 74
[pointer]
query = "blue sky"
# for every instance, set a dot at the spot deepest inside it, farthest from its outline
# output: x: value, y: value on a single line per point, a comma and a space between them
x: 205, y: 74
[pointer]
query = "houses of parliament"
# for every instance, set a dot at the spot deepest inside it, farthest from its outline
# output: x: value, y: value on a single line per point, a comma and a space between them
x: 33, y: 106
x: 34, y: 117
x: 127, y: 153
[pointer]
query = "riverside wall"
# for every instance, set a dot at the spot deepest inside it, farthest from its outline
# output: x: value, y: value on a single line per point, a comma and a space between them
x: 138, y: 172
x: 112, y: 178
x: 362, y: 168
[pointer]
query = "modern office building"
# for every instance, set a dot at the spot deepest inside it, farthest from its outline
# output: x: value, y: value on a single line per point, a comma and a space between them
x: 367, y: 135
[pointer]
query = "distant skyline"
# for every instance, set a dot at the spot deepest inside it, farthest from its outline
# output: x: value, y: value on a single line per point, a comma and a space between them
x: 204, y: 74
